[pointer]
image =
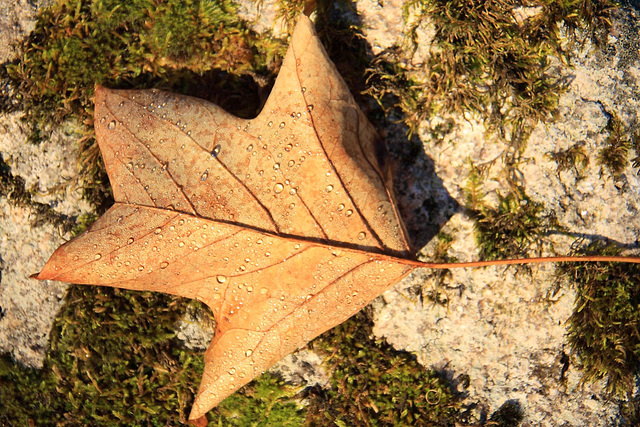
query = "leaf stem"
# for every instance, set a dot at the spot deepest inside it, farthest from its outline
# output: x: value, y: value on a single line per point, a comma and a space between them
x: 472, y: 264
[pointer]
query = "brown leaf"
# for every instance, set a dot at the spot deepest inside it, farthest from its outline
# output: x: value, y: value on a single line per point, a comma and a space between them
x: 284, y: 225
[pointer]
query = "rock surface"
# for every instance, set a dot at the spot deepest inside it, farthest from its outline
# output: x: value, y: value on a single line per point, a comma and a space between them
x: 17, y: 19
x: 505, y: 327
x: 28, y: 306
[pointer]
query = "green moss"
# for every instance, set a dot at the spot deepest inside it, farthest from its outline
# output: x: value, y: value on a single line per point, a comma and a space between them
x: 604, y: 329
x: 271, y: 404
x: 574, y: 159
x: 114, y: 360
x: 373, y: 385
x: 613, y: 156
x: 485, y: 61
x: 512, y: 228
x: 77, y: 44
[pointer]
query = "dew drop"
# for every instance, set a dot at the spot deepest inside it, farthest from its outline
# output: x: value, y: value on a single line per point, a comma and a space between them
x: 248, y: 353
x: 362, y: 235
x: 249, y: 147
x: 292, y: 206
x: 97, y: 257
x: 291, y: 163
x: 267, y: 254
x: 221, y: 279
x: 296, y: 246
x: 205, y: 175
x: 276, y: 166
x: 304, y: 89
x: 216, y: 150
x: 263, y: 291
x: 278, y: 188
x: 130, y: 241
x: 310, y: 107
x: 158, y: 230
x: 348, y: 213
x: 288, y: 147
x: 164, y: 264
x: 293, y: 191
x: 282, y: 125
x: 121, y: 104
x: 75, y: 257
x: 111, y: 125
x: 141, y: 267
x: 329, y: 188
x: 340, y: 207
x: 270, y: 123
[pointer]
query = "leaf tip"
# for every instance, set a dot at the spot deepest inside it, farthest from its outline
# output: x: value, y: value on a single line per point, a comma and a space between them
x: 199, y: 422
x: 309, y: 7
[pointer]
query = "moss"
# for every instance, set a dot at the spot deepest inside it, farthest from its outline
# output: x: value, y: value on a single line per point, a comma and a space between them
x: 613, y: 156
x: 574, y: 159
x: 271, y: 404
x: 373, y: 385
x: 604, y: 329
x: 512, y: 228
x: 630, y: 412
x: 485, y: 61
x: 510, y: 414
x: 114, y: 360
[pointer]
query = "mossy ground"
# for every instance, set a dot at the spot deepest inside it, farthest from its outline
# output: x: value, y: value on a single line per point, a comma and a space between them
x: 604, y: 329
x: 114, y: 358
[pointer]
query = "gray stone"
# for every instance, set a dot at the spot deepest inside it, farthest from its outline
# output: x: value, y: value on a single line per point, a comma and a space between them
x: 17, y: 19
x: 28, y: 306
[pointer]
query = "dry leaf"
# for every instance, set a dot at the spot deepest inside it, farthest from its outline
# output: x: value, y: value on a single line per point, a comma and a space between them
x: 284, y: 225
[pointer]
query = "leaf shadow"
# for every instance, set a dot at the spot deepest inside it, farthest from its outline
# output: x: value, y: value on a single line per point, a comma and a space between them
x: 423, y: 200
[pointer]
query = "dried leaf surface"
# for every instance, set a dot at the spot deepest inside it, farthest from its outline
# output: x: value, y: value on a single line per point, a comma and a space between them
x: 284, y: 225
